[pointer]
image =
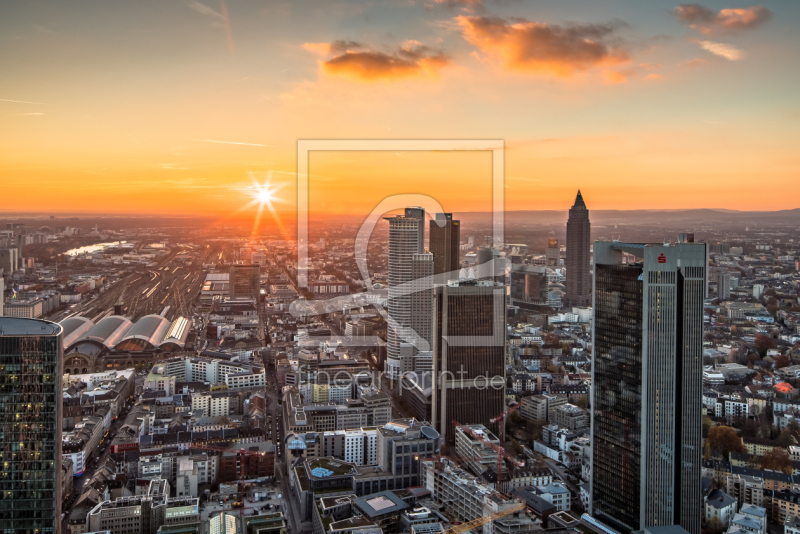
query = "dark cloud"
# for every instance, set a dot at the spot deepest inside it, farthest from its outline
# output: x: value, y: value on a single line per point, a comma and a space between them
x: 704, y: 20
x: 364, y: 64
x: 542, y: 48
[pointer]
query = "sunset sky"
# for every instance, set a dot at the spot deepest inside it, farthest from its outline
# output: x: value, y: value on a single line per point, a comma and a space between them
x: 178, y: 106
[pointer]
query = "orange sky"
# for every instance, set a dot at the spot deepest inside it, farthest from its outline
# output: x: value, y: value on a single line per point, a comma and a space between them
x: 176, y: 107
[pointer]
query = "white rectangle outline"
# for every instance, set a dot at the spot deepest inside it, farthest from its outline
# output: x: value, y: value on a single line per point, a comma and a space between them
x: 304, y: 146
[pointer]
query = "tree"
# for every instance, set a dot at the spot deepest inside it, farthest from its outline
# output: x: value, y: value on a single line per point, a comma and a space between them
x: 725, y: 439
x: 763, y: 343
x: 733, y: 330
x: 772, y: 305
x: 714, y: 526
x: 706, y: 451
x: 550, y: 340
x: 778, y: 460
x: 707, y: 423
x: 782, y: 361
x: 582, y: 402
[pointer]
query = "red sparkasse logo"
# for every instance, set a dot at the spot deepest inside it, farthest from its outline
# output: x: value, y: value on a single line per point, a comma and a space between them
x: 662, y: 259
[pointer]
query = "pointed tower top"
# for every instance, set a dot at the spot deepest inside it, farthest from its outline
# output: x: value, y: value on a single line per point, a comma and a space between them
x: 579, y: 203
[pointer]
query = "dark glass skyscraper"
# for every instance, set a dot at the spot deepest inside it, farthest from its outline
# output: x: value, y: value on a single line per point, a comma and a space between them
x: 245, y: 280
x: 31, y: 352
x: 579, y: 242
x: 469, y: 354
x: 445, y: 242
x: 647, y: 385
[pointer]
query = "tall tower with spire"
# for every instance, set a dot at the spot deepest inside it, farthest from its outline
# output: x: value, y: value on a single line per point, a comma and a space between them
x: 579, y: 242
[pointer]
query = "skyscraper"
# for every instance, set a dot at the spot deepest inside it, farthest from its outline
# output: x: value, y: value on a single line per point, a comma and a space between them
x: 445, y: 243
x: 647, y: 385
x: 469, y: 354
x: 31, y: 352
x: 723, y: 285
x: 245, y: 281
x: 406, y: 238
x: 528, y: 286
x: 422, y: 305
x: 579, y: 242
x: 552, y: 254
x: 490, y: 265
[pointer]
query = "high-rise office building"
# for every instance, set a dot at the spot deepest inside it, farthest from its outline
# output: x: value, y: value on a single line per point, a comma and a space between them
x: 9, y: 260
x: 528, y: 286
x: 445, y: 242
x: 647, y: 385
x: 422, y: 267
x: 552, y: 254
x: 31, y: 352
x: 579, y: 242
x: 490, y: 265
x: 245, y: 280
x: 723, y: 285
x: 469, y: 354
x: 406, y: 238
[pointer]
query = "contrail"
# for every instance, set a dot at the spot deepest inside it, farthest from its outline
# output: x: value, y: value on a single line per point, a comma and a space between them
x: 231, y: 143
x: 23, y: 102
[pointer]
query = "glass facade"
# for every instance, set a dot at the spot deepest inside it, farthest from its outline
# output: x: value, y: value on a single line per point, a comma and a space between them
x: 445, y: 243
x: 617, y: 403
x: 469, y: 354
x: 30, y: 426
x: 647, y: 397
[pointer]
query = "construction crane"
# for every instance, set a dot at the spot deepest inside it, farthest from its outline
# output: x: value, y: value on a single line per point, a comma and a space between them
x: 242, y: 453
x: 475, y: 523
x: 501, y: 452
x: 503, y: 416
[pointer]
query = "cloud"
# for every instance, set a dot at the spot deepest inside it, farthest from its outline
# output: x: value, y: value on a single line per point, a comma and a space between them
x: 467, y: 6
x: 357, y: 61
x: 708, y: 22
x: 695, y: 62
x: 230, y: 142
x: 205, y: 10
x: 727, y: 51
x: 23, y: 102
x: 614, y: 76
x: 537, y: 47
x: 335, y: 47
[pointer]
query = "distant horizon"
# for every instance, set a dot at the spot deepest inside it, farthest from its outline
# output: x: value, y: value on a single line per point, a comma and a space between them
x: 293, y: 213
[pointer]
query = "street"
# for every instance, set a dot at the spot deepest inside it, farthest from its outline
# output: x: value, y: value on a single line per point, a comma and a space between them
x: 275, y: 432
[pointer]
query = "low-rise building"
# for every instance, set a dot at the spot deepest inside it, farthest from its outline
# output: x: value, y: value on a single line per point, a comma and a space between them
x: 721, y: 506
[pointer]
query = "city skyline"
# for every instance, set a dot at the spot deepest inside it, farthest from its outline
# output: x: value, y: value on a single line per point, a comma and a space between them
x: 171, y: 105
x: 220, y: 310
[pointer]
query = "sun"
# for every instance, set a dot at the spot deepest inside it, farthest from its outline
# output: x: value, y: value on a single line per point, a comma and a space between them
x: 264, y: 196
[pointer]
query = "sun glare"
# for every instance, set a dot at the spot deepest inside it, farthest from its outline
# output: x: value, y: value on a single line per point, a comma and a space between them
x: 264, y: 196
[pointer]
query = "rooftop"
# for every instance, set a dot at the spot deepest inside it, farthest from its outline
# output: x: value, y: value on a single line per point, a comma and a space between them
x: 15, y: 326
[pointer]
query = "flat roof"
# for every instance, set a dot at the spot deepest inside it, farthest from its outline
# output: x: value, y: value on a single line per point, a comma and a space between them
x: 18, y: 326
